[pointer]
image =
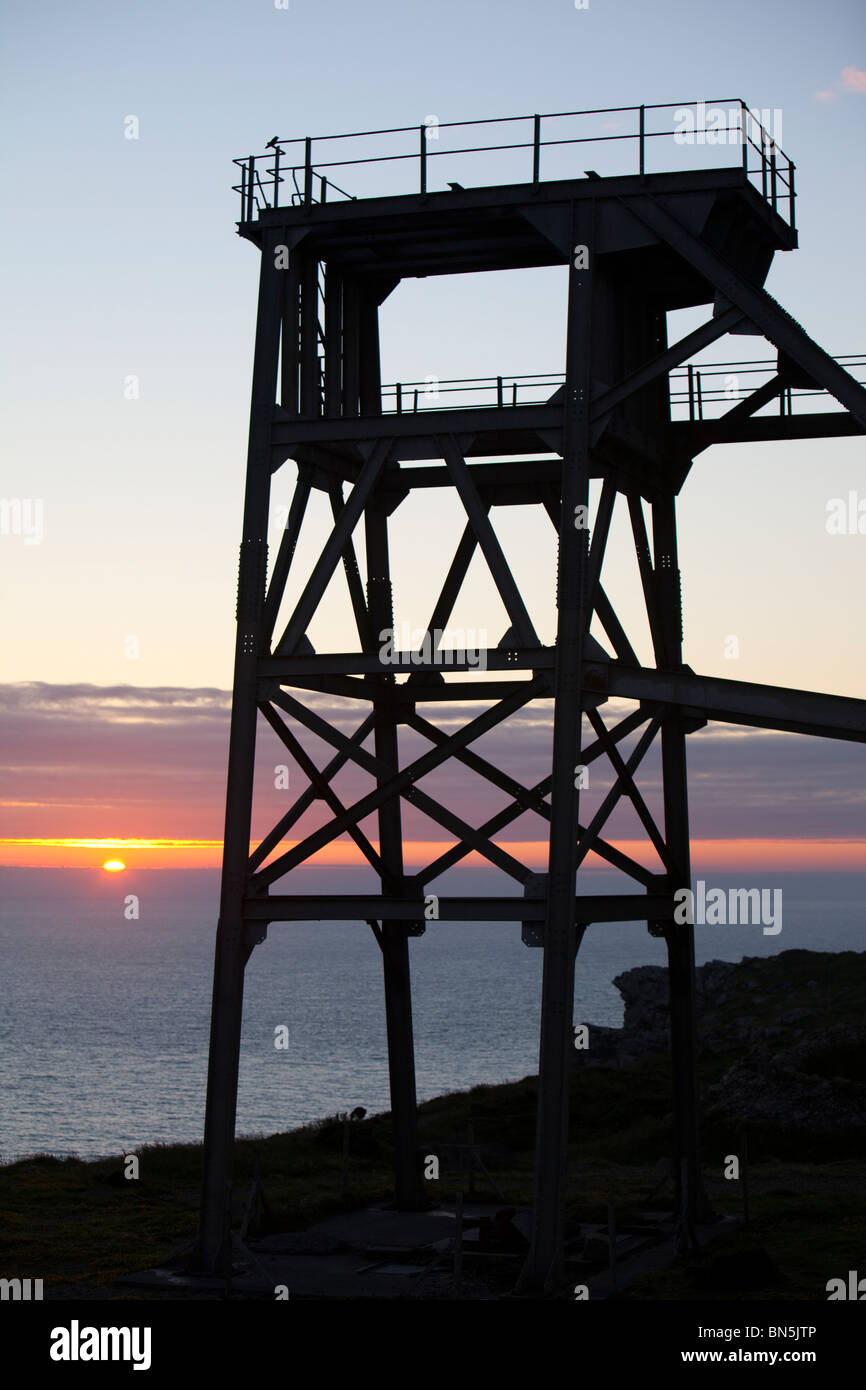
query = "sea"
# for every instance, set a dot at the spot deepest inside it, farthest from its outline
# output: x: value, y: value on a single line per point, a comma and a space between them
x: 104, y: 1018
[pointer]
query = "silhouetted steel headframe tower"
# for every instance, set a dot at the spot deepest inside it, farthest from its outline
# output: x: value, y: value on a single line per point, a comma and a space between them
x: 637, y: 245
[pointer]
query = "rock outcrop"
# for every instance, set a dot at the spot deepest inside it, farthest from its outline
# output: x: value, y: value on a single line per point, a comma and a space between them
x: 789, y: 1031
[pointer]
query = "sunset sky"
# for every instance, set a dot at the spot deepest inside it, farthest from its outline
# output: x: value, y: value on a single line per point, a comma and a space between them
x: 98, y: 764
x: 122, y: 261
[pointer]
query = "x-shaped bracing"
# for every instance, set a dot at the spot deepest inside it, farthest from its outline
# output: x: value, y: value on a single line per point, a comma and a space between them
x: 447, y: 746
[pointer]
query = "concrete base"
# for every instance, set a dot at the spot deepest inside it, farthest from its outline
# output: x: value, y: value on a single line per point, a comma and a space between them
x: 381, y: 1253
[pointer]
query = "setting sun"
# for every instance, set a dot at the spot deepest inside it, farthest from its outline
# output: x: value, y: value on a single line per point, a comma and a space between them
x: 114, y: 866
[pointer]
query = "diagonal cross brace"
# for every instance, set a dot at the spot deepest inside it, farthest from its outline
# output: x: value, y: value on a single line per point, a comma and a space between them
x: 589, y: 837
x: 513, y: 812
x: 625, y: 782
x: 490, y: 827
x: 600, y: 533
x: 285, y: 554
x: 457, y: 572
x: 352, y: 572
x: 307, y: 797
x: 761, y: 308
x: 648, y: 578
x: 725, y: 425
x: 487, y: 539
x: 524, y: 798
x: 601, y: 604
x: 470, y: 839
x: 673, y: 356
x: 396, y: 785
x: 333, y: 551
x: 483, y: 767
x: 320, y: 783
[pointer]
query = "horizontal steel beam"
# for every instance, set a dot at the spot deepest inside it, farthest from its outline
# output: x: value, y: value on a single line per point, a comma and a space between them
x: 591, y: 907
x: 739, y: 702
x: 730, y: 702
x: 424, y: 423
x: 525, y: 475
x: 348, y: 663
x: 691, y: 436
x: 523, y: 483
x: 345, y: 231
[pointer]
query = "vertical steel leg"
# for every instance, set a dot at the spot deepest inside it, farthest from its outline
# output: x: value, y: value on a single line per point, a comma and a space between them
x: 395, y: 939
x: 680, y: 938
x: 544, y: 1260
x: 214, y: 1244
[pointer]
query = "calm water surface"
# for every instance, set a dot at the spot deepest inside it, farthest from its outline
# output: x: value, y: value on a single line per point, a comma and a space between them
x: 104, y: 1021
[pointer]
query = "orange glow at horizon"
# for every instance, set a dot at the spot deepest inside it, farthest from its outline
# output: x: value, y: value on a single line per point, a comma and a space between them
x: 722, y: 856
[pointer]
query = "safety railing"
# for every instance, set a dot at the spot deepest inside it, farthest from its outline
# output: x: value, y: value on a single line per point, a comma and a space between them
x: 696, y: 392
x: 708, y: 390
x: 468, y: 393
x: 523, y: 149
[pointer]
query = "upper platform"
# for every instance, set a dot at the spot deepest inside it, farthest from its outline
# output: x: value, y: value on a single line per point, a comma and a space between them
x: 486, y: 195
x: 684, y: 204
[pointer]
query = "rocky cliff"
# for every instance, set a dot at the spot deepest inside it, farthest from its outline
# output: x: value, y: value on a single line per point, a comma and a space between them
x: 782, y: 1039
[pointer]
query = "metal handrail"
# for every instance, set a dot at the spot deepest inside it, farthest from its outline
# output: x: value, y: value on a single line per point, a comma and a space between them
x: 696, y: 394
x: 503, y: 389
x: 407, y: 397
x: 742, y: 126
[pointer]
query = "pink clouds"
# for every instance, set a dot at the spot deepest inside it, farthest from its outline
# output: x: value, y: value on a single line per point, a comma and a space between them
x: 131, y: 762
x: 852, y: 80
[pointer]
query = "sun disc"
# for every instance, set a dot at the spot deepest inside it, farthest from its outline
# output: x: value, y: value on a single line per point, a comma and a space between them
x: 114, y: 866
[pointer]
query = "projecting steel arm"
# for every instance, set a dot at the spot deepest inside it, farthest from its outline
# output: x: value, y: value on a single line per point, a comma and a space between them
x: 737, y: 702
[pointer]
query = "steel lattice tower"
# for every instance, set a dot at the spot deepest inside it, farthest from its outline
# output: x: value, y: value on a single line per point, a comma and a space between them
x: 637, y: 246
